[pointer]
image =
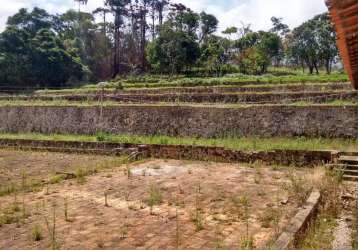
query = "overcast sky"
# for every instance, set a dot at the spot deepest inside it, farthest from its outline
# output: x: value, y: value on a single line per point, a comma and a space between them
x: 229, y: 12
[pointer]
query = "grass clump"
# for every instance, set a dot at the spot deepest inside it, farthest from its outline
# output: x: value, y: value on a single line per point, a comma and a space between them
x: 155, y: 197
x: 8, y: 189
x: 274, y: 78
x: 57, y: 178
x: 269, y: 218
x: 320, y: 234
x: 227, y: 141
x: 81, y: 175
x: 36, y: 233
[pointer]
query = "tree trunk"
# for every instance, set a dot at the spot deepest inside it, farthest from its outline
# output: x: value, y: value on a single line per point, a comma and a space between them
x: 160, y: 16
x: 143, y: 36
x: 311, y: 68
x: 116, y: 59
x: 153, y: 23
x: 328, y: 66
x: 316, y: 67
x: 116, y: 54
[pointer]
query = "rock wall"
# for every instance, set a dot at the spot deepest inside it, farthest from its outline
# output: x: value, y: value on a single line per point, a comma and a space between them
x: 237, y: 89
x: 217, y: 154
x: 260, y: 98
x: 209, y: 122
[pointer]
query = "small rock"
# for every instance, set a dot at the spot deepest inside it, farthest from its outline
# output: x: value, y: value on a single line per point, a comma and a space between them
x: 284, y: 201
x: 221, y: 217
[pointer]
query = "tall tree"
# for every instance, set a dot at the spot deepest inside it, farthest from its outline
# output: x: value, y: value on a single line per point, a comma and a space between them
x: 118, y: 7
x: 173, y: 51
x: 313, y: 42
x: 209, y: 24
x: 103, y: 12
x: 279, y: 27
x: 160, y: 6
x: 32, y: 21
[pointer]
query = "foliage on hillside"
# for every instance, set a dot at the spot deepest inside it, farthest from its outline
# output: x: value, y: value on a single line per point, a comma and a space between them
x: 152, y: 36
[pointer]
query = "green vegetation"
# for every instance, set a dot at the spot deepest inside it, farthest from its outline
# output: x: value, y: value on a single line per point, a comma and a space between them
x: 39, y: 49
x: 18, y: 102
x: 36, y: 233
x: 155, y: 197
x: 267, y: 80
x: 256, y: 144
x: 321, y: 234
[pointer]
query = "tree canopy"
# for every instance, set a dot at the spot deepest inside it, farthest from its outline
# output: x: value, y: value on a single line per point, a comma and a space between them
x: 40, y: 49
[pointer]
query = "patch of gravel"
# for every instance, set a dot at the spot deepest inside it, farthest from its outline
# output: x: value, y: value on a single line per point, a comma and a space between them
x: 342, y: 235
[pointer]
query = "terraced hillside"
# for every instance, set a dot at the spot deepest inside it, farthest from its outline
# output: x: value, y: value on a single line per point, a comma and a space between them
x: 287, y: 110
x: 291, y: 124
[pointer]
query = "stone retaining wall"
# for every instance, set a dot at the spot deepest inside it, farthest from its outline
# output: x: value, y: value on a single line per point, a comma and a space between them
x: 218, y: 154
x: 243, y: 89
x: 184, y: 121
x: 293, y: 232
x: 260, y: 98
x: 319, y: 87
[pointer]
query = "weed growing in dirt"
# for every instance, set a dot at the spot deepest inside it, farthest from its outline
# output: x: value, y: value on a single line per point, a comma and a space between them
x: 51, y: 227
x: 298, y: 187
x: 177, y: 229
x: 106, y: 199
x: 155, y: 197
x: 219, y: 242
x: 80, y: 175
x: 8, y: 189
x: 198, y: 217
x: 124, y: 231
x: 269, y: 218
x: 245, y: 203
x: 65, y: 205
x: 128, y: 171
x: 36, y: 233
x: 320, y: 233
x: 246, y: 243
x: 56, y: 179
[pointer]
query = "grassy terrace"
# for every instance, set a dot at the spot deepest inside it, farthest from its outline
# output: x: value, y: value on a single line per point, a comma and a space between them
x: 91, y: 90
x: 243, y: 80
x: 65, y: 103
x: 245, y: 144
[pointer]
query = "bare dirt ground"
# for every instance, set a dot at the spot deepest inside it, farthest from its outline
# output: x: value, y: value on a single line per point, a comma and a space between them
x: 153, y: 204
x: 40, y: 166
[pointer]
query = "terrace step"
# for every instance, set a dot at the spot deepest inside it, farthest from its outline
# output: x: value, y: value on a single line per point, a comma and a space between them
x: 343, y: 166
x: 349, y: 165
x: 351, y: 172
x: 350, y: 178
x: 350, y: 160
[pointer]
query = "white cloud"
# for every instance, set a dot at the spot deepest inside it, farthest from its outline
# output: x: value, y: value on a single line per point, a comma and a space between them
x: 259, y: 12
x: 229, y: 12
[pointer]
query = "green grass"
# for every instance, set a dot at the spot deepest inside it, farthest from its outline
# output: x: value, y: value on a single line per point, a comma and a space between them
x: 321, y: 234
x: 235, y: 79
x: 246, y: 144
